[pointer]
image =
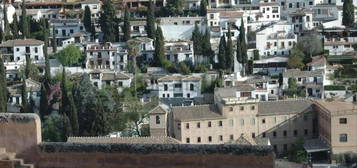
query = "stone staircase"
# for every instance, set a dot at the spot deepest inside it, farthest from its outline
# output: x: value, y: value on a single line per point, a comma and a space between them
x: 9, y: 160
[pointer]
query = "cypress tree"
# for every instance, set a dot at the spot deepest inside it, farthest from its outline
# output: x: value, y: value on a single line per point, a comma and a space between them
x: 24, y: 102
x: 126, y: 27
x: 203, y: 7
x: 3, y: 89
x: 159, y: 54
x: 6, y: 22
x: 87, y: 19
x: 68, y: 107
x: 27, y: 66
x: 222, y: 53
x: 24, y: 21
x: 242, y: 56
x: 107, y: 21
x: 229, y: 51
x: 14, y: 27
x: 93, y: 32
x: 197, y: 39
x: 150, y: 20
x: 206, y: 46
x: 45, y: 53
x: 44, y: 107
x: 1, y: 35
x: 348, y: 17
x: 54, y: 40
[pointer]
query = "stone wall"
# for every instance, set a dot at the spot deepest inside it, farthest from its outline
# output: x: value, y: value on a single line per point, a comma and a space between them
x: 20, y: 133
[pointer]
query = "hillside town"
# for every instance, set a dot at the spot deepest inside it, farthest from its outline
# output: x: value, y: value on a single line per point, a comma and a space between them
x: 278, y: 74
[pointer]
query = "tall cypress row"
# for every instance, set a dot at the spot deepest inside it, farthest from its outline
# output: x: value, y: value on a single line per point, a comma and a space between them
x: 24, y: 21
x: 348, y: 17
x: 229, y: 51
x: 54, y: 40
x: 150, y: 21
x: 87, y: 19
x: 222, y: 53
x: 107, y: 21
x: 159, y: 54
x: 126, y: 26
x: 3, y: 88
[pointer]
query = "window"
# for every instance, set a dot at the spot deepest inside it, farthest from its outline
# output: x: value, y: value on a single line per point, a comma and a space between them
x: 252, y: 107
x: 285, y: 147
x: 343, y: 120
x: 36, y: 58
x: 275, y: 148
x: 221, y: 138
x: 71, y: 31
x: 231, y: 123
x: 263, y: 121
x: 343, y: 137
x: 157, y: 119
x: 274, y: 120
x: 209, y: 139
x: 220, y: 123
x: 187, y: 140
x: 211, y: 16
x: 264, y: 135
x: 198, y: 125
x: 253, y: 121
x: 231, y: 137
x: 178, y: 85
x: 188, y: 95
x: 285, y: 133
x: 242, y: 122
x: 306, y: 132
x: 199, y: 140
x: 241, y: 108
x: 209, y: 124
x: 274, y: 134
x: 295, y: 132
x: 36, y: 50
x: 179, y: 126
x: 192, y: 87
x: 163, y: 95
x: 290, y: 5
x: 253, y: 135
x: 165, y: 87
x: 187, y: 125
x: 230, y: 108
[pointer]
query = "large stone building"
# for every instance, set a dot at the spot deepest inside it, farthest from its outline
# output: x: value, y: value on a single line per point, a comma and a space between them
x: 282, y: 122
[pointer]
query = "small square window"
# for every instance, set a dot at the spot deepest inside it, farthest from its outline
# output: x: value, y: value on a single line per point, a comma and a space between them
x: 187, y: 126
x: 252, y: 107
x: 209, y: 139
x: 343, y: 120
x: 198, y: 125
x: 199, y: 139
x: 274, y: 134
x: 209, y: 124
x: 220, y: 123
x: 187, y: 140
x: 230, y: 108
x: 231, y: 137
x: 285, y: 133
x: 264, y: 135
x: 343, y: 137
x: 253, y: 135
x: 241, y: 108
x: 295, y: 133
x: 221, y: 138
x: 263, y: 121
x: 306, y: 132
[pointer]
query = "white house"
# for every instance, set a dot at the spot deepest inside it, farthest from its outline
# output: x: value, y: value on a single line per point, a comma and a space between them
x: 313, y: 81
x: 270, y: 65
x: 269, y: 11
x: 94, y: 6
x: 15, y: 51
x: 302, y: 19
x: 179, y: 86
x: 218, y: 21
x: 179, y: 51
x: 292, y: 6
x: 100, y: 79
x: 10, y: 11
x: 340, y: 46
x: 64, y: 28
x: 276, y: 40
x: 107, y: 56
x: 146, y: 48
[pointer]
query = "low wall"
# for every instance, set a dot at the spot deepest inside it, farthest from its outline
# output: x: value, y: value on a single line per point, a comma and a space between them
x: 70, y: 155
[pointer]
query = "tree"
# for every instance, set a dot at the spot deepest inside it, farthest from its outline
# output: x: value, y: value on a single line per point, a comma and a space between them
x: 126, y: 27
x: 150, y: 20
x: 348, y: 17
x: 297, y: 152
x: 222, y: 53
x: 69, y: 55
x: 104, y: 108
x: 206, y: 46
x: 107, y: 21
x: 25, y: 107
x: 311, y: 45
x: 93, y: 32
x: 87, y: 19
x: 159, y: 54
x: 52, y: 129
x: 1, y: 35
x: 68, y: 108
x: 24, y: 21
x: 229, y: 51
x: 44, y: 107
x: 203, y: 7
x: 3, y: 88
x: 292, y: 83
x: 27, y: 67
x: 6, y: 22
x: 14, y: 27
x: 84, y: 96
x: 54, y: 40
x: 242, y: 56
x: 296, y: 59
x: 196, y: 39
x: 175, y: 7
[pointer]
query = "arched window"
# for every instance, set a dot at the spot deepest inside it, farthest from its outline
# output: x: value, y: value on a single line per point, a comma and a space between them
x: 157, y: 119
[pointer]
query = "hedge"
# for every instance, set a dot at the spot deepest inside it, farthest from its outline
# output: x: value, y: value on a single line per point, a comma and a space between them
x: 334, y: 87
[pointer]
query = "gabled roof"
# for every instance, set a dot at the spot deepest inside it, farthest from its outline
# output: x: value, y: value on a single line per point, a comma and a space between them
x: 21, y: 42
x: 158, y: 110
x: 283, y: 107
x: 192, y: 113
x: 179, y: 77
